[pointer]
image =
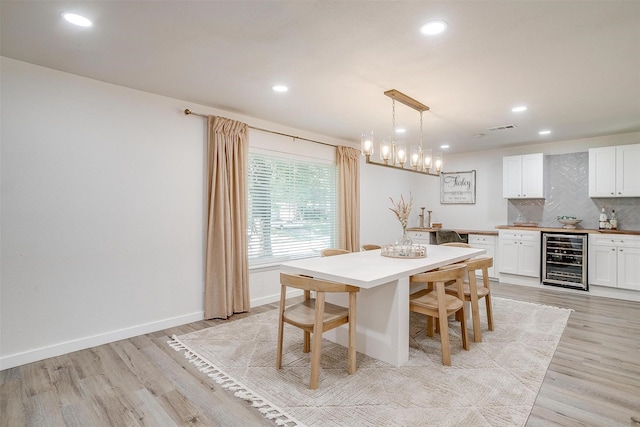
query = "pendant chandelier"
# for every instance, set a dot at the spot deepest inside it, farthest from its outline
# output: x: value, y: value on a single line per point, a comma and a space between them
x: 394, y: 153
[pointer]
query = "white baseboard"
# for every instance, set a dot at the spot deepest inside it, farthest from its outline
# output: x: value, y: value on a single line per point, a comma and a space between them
x: 617, y: 293
x: 273, y: 298
x: 520, y: 280
x: 41, y: 353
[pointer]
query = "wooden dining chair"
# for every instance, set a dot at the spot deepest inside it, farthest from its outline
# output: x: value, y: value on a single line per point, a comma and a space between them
x: 437, y: 304
x: 315, y: 316
x: 473, y: 292
x: 370, y: 247
x: 333, y: 251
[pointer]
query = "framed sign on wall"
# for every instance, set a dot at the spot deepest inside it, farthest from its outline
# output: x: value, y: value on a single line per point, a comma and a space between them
x: 458, y: 187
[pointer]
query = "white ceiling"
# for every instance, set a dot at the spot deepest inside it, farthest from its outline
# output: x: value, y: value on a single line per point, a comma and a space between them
x: 576, y: 64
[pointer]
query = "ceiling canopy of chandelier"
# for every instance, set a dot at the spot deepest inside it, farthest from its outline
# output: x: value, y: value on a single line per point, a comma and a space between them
x: 394, y: 153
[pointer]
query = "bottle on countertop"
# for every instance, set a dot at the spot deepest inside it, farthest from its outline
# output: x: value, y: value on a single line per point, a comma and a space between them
x: 603, y: 220
x: 613, y: 221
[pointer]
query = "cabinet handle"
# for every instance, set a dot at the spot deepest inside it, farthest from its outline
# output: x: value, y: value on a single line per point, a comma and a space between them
x: 619, y: 192
x: 613, y: 194
x: 613, y: 249
x: 621, y: 250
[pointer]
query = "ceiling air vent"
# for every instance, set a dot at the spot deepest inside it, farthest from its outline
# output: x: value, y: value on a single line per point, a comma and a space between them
x: 503, y: 127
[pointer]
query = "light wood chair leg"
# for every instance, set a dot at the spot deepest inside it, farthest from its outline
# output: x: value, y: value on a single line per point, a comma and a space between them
x: 475, y: 309
x: 306, y: 342
x: 283, y: 296
x: 487, y: 298
x: 352, y: 334
x: 430, y: 326
x: 306, y: 334
x: 463, y: 316
x: 489, y: 311
x: 444, y: 327
x: 316, y: 347
x: 463, y: 329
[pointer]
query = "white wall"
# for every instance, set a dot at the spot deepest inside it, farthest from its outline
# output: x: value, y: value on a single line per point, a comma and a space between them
x: 102, y: 208
x: 102, y: 212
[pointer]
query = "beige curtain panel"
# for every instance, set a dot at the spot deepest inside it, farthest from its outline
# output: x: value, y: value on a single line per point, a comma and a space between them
x: 226, y: 271
x: 349, y: 198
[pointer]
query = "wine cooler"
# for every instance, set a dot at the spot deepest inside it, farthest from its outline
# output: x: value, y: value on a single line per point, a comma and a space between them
x: 564, y: 260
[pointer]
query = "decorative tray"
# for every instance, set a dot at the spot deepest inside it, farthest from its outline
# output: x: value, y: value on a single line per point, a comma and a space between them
x: 404, y: 251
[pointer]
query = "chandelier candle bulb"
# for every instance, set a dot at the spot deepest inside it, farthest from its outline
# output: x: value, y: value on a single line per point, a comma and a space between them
x: 437, y: 159
x: 367, y: 143
x: 401, y: 157
x: 415, y: 160
x: 401, y: 153
x: 385, y: 151
x: 427, y: 159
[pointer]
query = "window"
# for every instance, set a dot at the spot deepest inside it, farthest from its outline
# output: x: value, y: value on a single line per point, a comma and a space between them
x: 292, y: 207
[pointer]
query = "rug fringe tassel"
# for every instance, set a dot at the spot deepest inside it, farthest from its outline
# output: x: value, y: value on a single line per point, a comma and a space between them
x: 227, y: 382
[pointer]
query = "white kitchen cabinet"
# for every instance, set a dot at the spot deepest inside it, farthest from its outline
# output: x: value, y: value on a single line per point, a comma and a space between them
x: 614, y: 261
x: 523, y: 176
x: 519, y: 252
x: 423, y: 237
x: 487, y: 243
x: 613, y: 171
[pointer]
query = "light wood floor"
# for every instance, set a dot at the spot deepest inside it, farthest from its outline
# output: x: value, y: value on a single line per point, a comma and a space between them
x: 593, y: 379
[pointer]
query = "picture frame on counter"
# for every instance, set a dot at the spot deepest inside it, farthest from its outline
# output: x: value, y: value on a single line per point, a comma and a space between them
x: 458, y: 187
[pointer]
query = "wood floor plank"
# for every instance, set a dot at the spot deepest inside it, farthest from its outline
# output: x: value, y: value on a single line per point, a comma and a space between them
x: 155, y: 415
x: 147, y: 374
x: 11, y: 396
x: 180, y: 408
x: 80, y: 414
x: 43, y: 410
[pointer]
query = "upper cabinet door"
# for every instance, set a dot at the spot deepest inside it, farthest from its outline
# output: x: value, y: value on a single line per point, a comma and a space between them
x: 512, y: 177
x: 628, y: 170
x: 523, y: 177
x: 533, y: 176
x: 614, y: 172
x: 602, y: 172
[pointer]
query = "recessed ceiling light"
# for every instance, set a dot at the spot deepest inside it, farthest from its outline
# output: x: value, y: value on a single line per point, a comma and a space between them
x: 400, y: 130
x: 78, y: 20
x: 444, y: 146
x: 519, y: 109
x: 433, y: 28
x: 544, y: 132
x: 280, y: 88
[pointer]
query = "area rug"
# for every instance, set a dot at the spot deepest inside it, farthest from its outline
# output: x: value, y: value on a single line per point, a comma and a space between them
x: 495, y: 383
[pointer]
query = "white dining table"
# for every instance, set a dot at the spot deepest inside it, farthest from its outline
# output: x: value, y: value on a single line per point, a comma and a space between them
x: 382, y: 313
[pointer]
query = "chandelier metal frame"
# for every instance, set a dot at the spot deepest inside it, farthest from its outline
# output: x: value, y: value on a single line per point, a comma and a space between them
x: 397, y: 158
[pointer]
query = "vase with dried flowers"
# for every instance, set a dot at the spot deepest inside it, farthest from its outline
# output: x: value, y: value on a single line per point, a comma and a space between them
x: 402, y: 211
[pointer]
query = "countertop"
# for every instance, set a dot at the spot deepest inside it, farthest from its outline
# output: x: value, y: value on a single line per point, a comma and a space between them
x: 460, y: 231
x: 546, y: 229
x: 569, y: 230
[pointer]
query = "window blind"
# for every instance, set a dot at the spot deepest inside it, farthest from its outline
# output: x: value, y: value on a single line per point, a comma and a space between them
x: 292, y: 207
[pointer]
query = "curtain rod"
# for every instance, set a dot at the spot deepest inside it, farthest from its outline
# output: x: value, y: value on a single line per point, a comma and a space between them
x: 189, y: 112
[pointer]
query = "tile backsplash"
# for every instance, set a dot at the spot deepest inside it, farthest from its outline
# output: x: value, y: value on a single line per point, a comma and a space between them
x: 566, y: 180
